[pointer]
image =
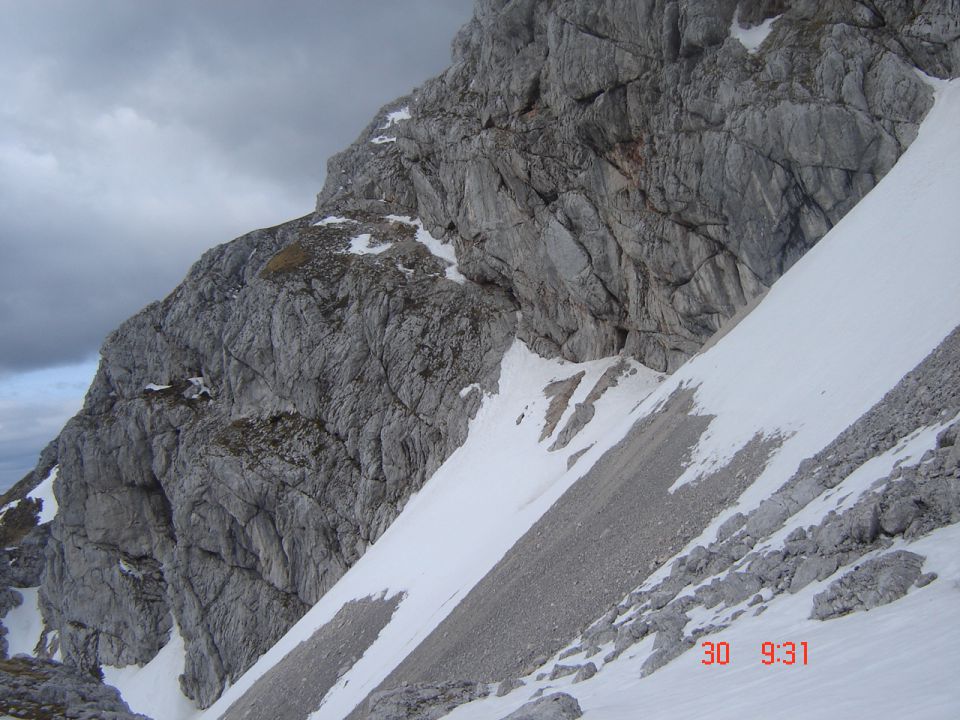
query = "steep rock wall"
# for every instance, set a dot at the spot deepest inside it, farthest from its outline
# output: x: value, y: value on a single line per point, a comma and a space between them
x: 632, y: 173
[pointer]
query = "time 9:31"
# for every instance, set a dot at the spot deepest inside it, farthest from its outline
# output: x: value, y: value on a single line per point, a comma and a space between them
x: 786, y: 653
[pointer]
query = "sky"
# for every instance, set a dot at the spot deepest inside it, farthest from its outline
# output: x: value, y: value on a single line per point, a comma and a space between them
x: 135, y: 135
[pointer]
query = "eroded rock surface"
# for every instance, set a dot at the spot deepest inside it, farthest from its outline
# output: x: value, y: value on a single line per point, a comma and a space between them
x: 874, y: 583
x: 245, y: 440
x: 558, y: 706
x: 631, y: 173
x: 423, y: 701
x: 32, y: 688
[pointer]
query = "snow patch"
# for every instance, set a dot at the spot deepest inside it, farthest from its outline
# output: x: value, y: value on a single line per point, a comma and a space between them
x: 469, y: 389
x: 441, y: 250
x: 382, y: 139
x: 128, y: 569
x: 154, y: 689
x: 200, y: 387
x: 361, y: 245
x: 154, y: 387
x: 397, y: 116
x: 44, y: 493
x: 333, y: 220
x: 751, y: 38
x: 24, y: 623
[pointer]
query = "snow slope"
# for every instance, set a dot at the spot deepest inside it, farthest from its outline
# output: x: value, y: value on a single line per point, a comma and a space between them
x: 24, y: 623
x: 154, y: 689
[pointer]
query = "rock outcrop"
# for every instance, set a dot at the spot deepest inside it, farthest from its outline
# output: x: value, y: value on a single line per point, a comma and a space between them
x: 35, y: 688
x: 625, y: 174
x: 631, y: 172
x: 325, y: 389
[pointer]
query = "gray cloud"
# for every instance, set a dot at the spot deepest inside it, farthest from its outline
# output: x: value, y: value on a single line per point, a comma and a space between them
x: 133, y: 135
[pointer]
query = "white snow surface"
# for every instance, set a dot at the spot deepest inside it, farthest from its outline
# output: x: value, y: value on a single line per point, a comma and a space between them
x: 201, y: 386
x: 154, y: 689
x: 382, y: 139
x: 360, y: 245
x: 439, y: 249
x: 24, y: 623
x: 751, y: 38
x: 397, y: 116
x: 154, y: 387
x: 333, y: 220
x: 834, y: 334
x: 44, y: 492
x: 473, y: 509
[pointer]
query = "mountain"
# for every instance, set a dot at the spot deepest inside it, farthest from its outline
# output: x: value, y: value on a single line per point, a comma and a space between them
x: 525, y: 406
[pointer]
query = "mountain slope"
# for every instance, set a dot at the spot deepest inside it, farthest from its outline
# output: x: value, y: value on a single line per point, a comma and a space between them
x: 586, y: 180
x: 807, y: 410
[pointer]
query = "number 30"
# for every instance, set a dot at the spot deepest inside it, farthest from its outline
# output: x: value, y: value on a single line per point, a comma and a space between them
x: 718, y: 653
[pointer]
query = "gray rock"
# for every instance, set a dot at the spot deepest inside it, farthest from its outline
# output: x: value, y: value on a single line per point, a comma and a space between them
x: 334, y: 386
x: 560, y: 671
x: 558, y: 706
x: 768, y: 517
x: 897, y: 518
x: 812, y: 568
x: 738, y: 586
x: 559, y: 393
x: 831, y: 534
x: 582, y: 414
x: 870, y: 585
x: 585, y: 672
x: 9, y: 599
x: 423, y: 701
x: 25, y: 561
x: 730, y: 526
x: 627, y: 199
x: 43, y: 689
x: 508, y: 686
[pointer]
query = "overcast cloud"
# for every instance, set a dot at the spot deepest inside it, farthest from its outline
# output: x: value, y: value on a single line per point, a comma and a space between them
x: 136, y: 134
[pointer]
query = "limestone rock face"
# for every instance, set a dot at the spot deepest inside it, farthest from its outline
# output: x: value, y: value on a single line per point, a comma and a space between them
x: 631, y: 173
x: 325, y: 389
x: 625, y: 174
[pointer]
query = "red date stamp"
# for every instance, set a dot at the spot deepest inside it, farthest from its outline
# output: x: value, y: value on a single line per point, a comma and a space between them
x: 785, y: 653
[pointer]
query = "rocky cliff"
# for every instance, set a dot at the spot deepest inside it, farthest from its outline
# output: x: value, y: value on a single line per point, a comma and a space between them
x: 614, y: 177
